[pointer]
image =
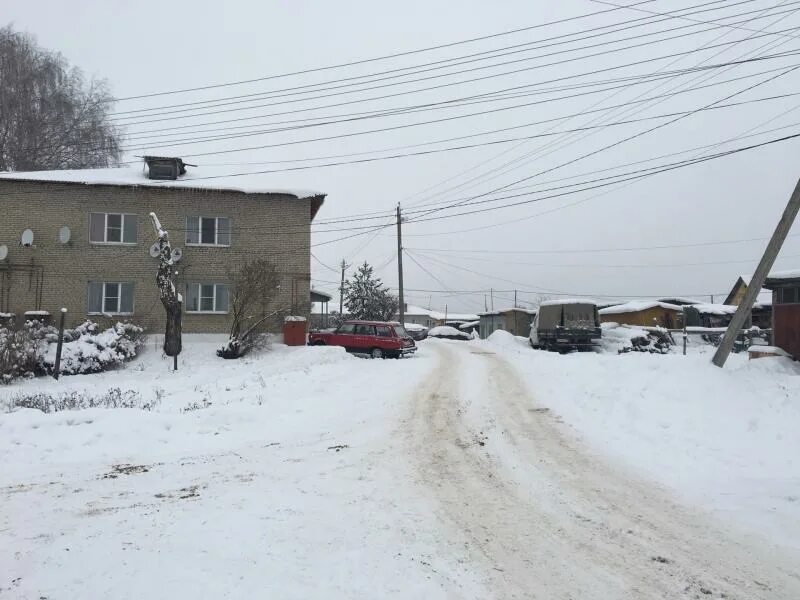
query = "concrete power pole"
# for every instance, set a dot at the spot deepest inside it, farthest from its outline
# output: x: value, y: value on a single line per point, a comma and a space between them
x: 756, y: 283
x: 402, y: 309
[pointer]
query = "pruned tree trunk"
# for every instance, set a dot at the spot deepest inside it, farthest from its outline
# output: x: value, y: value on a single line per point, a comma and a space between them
x: 167, y: 292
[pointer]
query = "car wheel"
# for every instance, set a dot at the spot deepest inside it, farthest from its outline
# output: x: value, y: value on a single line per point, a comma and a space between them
x: 318, y: 343
x: 376, y: 353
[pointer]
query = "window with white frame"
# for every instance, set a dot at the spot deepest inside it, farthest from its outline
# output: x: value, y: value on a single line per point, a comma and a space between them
x: 208, y: 231
x: 207, y: 297
x: 113, y: 228
x: 110, y: 298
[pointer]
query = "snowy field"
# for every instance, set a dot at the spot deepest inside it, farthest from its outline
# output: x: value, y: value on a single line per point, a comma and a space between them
x: 310, y: 473
x: 726, y: 439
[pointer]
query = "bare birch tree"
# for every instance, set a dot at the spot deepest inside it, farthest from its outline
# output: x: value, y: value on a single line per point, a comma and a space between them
x: 50, y: 116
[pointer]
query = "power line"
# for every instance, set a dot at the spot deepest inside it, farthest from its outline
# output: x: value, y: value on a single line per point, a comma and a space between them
x: 378, y: 58
x: 610, y: 110
x: 462, y: 82
x: 465, y: 59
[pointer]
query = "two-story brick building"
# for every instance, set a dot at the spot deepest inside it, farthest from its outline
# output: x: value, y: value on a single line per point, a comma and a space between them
x: 81, y: 239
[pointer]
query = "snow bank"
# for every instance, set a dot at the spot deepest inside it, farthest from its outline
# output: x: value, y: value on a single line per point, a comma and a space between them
x: 723, y: 438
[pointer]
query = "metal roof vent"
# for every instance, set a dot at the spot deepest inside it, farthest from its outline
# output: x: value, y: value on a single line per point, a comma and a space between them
x: 165, y: 167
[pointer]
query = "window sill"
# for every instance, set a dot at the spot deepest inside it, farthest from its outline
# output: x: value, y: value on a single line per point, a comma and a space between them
x: 206, y: 312
x: 208, y: 245
x: 113, y: 243
x: 109, y: 314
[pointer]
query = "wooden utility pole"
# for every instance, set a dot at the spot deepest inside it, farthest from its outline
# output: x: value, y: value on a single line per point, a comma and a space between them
x: 757, y: 281
x: 341, y: 289
x: 491, y: 295
x: 402, y: 308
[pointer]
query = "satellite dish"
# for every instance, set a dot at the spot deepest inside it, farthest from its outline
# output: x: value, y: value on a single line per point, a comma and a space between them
x: 155, y: 250
x: 177, y: 254
x: 64, y: 235
x: 27, y: 238
x: 3, y: 251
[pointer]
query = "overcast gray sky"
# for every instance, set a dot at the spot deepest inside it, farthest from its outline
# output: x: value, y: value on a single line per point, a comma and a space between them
x: 151, y: 46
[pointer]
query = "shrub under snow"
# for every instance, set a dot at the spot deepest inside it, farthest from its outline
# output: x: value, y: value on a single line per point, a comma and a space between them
x: 31, y: 350
x: 74, y: 400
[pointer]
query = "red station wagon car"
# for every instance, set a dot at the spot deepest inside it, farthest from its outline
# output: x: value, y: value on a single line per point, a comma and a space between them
x: 379, y: 339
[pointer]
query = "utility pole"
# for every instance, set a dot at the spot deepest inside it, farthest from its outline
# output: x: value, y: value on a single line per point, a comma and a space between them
x: 491, y: 295
x: 344, y: 266
x: 402, y: 309
x: 757, y: 282
x: 485, y: 306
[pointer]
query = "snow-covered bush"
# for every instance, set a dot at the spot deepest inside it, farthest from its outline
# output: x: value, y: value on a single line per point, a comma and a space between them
x: 75, y: 400
x: 32, y: 350
x: 17, y: 354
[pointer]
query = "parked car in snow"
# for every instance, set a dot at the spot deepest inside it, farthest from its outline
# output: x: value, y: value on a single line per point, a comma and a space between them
x: 449, y: 333
x: 564, y: 325
x: 379, y: 339
x: 417, y: 332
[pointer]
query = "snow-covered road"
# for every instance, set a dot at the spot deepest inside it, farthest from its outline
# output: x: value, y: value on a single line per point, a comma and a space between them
x: 537, y: 516
x: 308, y: 473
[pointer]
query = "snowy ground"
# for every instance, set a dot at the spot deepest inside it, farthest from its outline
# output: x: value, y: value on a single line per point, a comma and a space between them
x: 726, y: 439
x: 472, y: 470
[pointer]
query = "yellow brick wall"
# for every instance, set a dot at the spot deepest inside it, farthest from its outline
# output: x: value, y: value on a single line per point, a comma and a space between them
x: 272, y: 226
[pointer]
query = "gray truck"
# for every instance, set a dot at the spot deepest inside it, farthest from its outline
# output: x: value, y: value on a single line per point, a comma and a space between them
x: 564, y: 325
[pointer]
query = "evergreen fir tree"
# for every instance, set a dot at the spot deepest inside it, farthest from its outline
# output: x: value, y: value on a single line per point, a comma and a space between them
x: 366, y: 298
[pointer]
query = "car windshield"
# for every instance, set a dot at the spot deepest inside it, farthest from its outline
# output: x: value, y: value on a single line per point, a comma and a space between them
x: 400, y: 331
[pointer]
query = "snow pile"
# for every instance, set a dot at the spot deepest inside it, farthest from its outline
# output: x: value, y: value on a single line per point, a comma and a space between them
x: 616, y: 337
x: 725, y: 439
x: 414, y: 327
x: 450, y: 333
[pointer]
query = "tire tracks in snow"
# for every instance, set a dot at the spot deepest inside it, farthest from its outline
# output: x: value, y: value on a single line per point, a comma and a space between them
x: 538, y: 516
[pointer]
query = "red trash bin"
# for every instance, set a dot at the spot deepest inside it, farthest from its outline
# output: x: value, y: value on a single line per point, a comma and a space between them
x: 294, y: 331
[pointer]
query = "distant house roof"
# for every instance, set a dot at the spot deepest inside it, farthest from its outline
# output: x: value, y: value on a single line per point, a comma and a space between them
x: 317, y: 296
x: 439, y: 316
x: 202, y: 178
x: 568, y: 301
x: 779, y: 277
x: 680, y: 300
x: 528, y: 311
x: 714, y: 309
x: 638, y: 306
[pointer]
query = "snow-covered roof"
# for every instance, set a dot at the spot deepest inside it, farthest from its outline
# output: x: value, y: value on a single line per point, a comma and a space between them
x: 715, y: 309
x: 203, y: 178
x: 637, y: 306
x: 568, y: 301
x: 500, y: 311
x: 439, y: 316
x: 680, y: 300
x: 791, y: 274
x: 414, y: 327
